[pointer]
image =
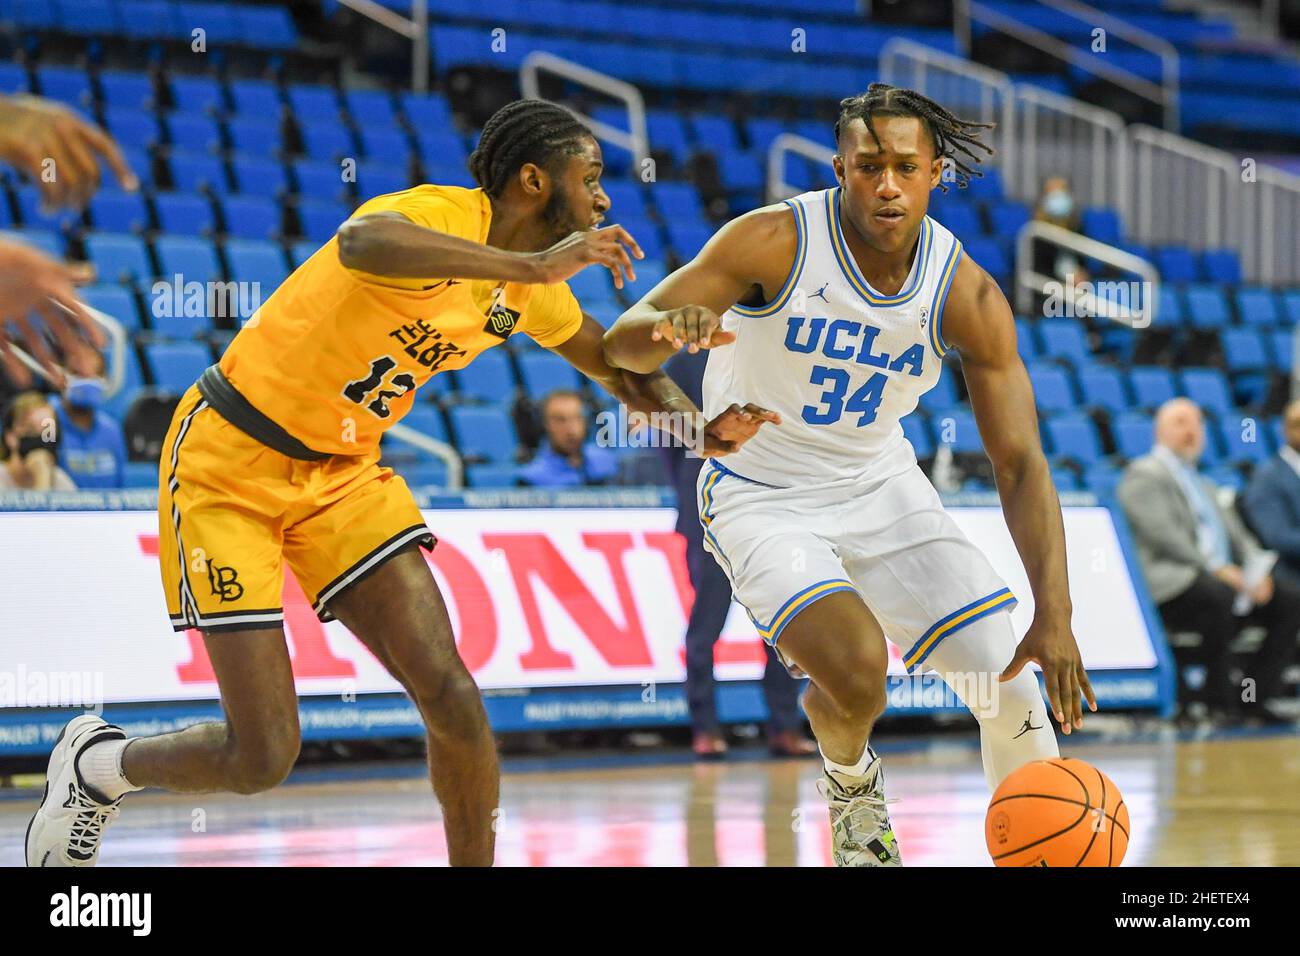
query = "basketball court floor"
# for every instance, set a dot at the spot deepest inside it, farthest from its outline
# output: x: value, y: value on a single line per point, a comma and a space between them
x: 1230, y: 801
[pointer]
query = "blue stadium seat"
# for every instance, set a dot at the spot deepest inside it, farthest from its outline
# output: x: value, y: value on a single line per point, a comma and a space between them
x: 34, y: 216
x: 1053, y: 391
x: 941, y: 397
x: 1221, y: 265
x: 1065, y: 480
x: 1026, y: 341
x: 253, y: 260
x: 1244, y: 443
x: 1169, y: 309
x: 1064, y: 339
x: 667, y: 131
x: 594, y: 284
x: 66, y: 84
x: 1152, y: 386
x: 714, y: 133
x: 1283, y: 345
x: 989, y: 254
x: 1103, y: 387
x: 379, y: 179
x: 441, y: 145
x: 385, y: 145
x: 1008, y: 218
x: 488, y: 378
x: 742, y: 172
x: 256, y: 98
x: 194, y: 132
x: 258, y: 176
x: 627, y: 201
x: 302, y: 250
x: 132, y: 381
x: 485, y: 432
x: 253, y: 136
x: 1244, y: 350
x: 251, y: 217
x: 194, y: 95
x: 917, y: 431
x: 216, y: 19
x: 197, y: 173
x: 687, y: 239
x: 313, y: 104
x: 118, y: 258
x: 370, y: 108
x: 961, y: 219
x: 1257, y: 306
x: 426, y: 420
x: 326, y: 141
x: 134, y: 127
x: 492, y: 476
x: 268, y: 28
x: 1102, y: 478
x: 1291, y: 307
x: 177, y: 365
x: 115, y: 211
x: 1176, y: 264
x: 1208, y: 387
x: 320, y: 180
x: 1074, y: 436
x: 1207, y: 307
x: 426, y: 110
x: 425, y: 473
x: 677, y: 201
x: 1134, y: 434
x: 194, y: 259
x: 544, y: 372
x: 115, y: 301
x: 320, y: 220
x: 184, y: 214
x: 1101, y: 224
x: 956, y: 427
x: 121, y: 89
x: 986, y: 188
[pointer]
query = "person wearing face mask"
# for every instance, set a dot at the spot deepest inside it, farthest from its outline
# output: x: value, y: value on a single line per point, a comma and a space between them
x: 30, y: 447
x: 1057, y: 206
x: 1193, y: 552
x: 92, y: 449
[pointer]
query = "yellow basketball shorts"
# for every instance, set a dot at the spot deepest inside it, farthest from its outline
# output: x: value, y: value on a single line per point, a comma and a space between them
x: 232, y: 512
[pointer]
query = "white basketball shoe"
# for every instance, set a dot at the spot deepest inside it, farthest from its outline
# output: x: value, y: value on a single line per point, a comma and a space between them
x: 861, y: 834
x: 66, y: 828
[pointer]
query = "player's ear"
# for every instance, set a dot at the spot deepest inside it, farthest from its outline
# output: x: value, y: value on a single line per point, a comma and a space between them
x: 533, y: 179
x: 837, y: 163
x: 936, y: 172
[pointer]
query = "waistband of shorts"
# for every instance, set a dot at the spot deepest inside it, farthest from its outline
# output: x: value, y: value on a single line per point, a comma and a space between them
x: 239, y: 411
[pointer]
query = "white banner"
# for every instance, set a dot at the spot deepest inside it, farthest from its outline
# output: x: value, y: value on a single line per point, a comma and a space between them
x: 538, y: 598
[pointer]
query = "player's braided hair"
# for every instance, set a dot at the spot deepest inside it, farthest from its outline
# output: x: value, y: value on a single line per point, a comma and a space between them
x: 525, y: 131
x: 951, y: 136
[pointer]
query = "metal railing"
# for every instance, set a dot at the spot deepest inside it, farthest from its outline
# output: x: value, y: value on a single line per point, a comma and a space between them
x: 1164, y: 94
x: 116, y: 365
x: 634, y: 139
x: 1167, y: 188
x: 778, y: 187
x: 416, y: 29
x: 1129, y: 303
x: 439, y: 449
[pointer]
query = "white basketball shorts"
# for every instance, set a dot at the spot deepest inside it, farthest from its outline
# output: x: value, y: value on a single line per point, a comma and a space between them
x: 888, y: 539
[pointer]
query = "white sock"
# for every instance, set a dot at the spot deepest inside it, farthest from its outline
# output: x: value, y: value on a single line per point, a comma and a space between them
x: 1015, y: 727
x: 852, y: 770
x: 101, y: 767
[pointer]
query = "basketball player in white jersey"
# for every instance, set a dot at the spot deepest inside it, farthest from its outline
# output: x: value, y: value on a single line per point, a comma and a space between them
x: 836, y: 308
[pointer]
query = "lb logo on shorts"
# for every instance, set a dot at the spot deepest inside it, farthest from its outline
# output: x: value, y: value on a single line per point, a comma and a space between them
x: 501, y: 321
x: 224, y: 582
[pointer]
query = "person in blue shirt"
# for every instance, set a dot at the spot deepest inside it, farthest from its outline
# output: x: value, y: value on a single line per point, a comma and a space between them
x: 91, y: 447
x: 566, y: 458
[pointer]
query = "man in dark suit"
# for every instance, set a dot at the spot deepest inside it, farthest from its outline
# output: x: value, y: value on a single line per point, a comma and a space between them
x: 1271, y: 502
x: 1193, y: 551
x: 713, y: 602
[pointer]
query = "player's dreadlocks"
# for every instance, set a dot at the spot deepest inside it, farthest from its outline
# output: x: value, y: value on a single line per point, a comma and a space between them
x: 950, y: 134
x: 525, y: 131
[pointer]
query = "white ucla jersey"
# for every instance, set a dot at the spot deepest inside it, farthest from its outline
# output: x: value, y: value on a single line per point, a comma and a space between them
x: 841, y: 362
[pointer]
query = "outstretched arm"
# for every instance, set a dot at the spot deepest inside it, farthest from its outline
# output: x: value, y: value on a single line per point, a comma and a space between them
x: 654, y: 393
x: 978, y: 322
x: 755, y: 250
x: 388, y: 244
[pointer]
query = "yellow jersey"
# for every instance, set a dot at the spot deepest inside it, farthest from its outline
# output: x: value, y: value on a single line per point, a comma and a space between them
x: 335, y: 355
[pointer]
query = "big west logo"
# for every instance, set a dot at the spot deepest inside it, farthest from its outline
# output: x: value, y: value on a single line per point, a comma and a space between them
x: 501, y: 321
x: 844, y: 339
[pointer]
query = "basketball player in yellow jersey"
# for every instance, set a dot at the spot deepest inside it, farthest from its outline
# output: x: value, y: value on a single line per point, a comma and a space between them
x: 272, y: 458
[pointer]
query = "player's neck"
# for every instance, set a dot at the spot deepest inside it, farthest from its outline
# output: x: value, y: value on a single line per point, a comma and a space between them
x: 515, y: 231
x: 885, y: 271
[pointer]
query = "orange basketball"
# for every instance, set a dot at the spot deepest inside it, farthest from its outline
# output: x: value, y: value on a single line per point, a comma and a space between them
x: 1059, y: 812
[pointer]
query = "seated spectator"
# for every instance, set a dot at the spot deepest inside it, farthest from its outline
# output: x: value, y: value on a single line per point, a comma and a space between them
x: 1271, y: 502
x: 30, y: 447
x: 1056, y: 206
x: 566, y: 458
x: 91, y: 447
x: 1192, y: 550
